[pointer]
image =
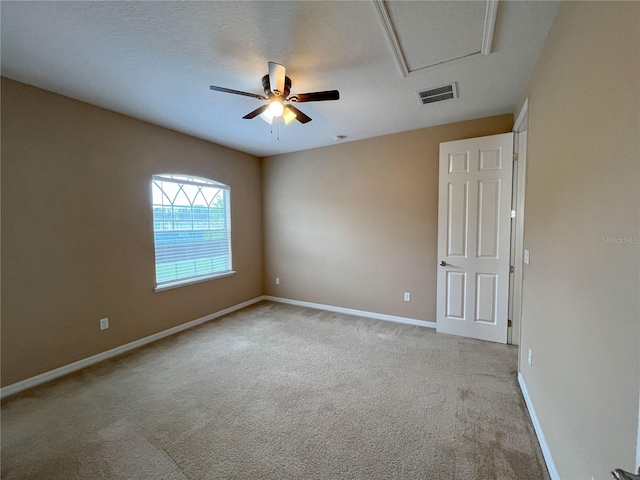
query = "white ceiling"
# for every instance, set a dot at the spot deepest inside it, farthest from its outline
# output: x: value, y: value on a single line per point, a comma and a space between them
x: 155, y: 61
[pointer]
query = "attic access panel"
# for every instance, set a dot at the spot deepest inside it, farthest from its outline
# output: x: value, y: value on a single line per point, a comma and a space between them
x: 424, y: 34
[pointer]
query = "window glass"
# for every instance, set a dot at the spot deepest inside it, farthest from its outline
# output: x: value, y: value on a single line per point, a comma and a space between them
x: 192, y: 229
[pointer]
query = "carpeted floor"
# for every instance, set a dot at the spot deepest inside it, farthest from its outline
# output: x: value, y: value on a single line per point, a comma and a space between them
x: 281, y: 392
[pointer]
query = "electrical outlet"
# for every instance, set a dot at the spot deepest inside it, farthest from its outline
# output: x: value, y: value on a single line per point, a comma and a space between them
x: 407, y: 297
x: 529, y: 358
x: 526, y: 256
x: 104, y: 323
x: 277, y: 281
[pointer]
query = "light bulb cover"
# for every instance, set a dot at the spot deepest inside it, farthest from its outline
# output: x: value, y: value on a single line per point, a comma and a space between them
x: 267, y: 116
x: 288, y: 115
x: 276, y: 108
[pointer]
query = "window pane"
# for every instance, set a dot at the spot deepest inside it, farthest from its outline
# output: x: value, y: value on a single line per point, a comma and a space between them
x: 191, y: 228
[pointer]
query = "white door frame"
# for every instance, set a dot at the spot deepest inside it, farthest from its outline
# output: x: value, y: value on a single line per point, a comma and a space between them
x: 520, y: 129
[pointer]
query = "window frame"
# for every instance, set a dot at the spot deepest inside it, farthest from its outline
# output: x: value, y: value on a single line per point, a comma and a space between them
x: 183, y: 179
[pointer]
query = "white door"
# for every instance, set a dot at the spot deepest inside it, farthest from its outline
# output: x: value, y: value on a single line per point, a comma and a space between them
x: 474, y: 213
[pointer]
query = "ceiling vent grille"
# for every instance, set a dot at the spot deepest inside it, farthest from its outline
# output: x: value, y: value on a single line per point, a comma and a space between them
x: 438, y: 94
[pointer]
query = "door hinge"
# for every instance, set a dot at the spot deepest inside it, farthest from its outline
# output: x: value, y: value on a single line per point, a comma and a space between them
x: 509, y: 322
x: 515, y: 157
x: 511, y: 269
x: 513, y: 214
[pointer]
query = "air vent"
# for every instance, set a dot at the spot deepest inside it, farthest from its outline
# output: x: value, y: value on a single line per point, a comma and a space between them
x: 438, y: 94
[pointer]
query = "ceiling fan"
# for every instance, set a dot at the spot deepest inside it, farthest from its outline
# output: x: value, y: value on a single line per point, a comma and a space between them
x: 277, y: 87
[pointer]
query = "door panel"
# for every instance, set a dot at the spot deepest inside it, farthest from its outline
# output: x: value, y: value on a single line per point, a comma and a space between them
x: 488, y: 218
x: 456, y: 296
x: 474, y: 207
x: 459, y: 163
x: 486, y: 297
x: 490, y: 160
x: 457, y: 225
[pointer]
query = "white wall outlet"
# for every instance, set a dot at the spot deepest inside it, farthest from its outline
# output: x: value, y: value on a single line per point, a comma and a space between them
x: 277, y: 280
x: 407, y: 297
x: 104, y: 323
x: 526, y: 256
x: 529, y: 358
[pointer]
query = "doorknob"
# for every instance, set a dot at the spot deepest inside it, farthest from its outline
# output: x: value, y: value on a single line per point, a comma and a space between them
x: 443, y: 263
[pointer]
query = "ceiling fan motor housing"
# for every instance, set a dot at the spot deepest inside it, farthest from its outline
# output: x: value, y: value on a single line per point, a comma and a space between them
x: 267, y: 87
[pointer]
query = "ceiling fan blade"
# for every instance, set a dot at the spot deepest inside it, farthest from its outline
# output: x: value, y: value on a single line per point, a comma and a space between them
x: 276, y: 77
x: 301, y: 117
x: 256, y: 112
x: 237, y: 92
x: 315, y: 96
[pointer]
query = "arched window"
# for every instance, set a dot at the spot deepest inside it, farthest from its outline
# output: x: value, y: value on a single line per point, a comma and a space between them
x: 191, y: 228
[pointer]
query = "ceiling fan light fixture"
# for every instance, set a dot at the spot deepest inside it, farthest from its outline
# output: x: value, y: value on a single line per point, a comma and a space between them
x: 288, y: 115
x: 276, y: 108
x: 267, y: 116
x: 277, y: 87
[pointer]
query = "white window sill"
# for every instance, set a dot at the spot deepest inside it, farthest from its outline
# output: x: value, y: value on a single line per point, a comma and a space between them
x: 191, y: 281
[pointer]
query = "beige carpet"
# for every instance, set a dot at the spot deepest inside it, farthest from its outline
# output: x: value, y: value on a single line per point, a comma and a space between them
x: 281, y: 392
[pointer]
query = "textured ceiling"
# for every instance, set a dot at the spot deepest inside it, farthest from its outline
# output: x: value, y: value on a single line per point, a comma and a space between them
x: 155, y: 61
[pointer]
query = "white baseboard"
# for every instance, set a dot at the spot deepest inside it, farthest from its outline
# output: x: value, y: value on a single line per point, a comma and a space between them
x: 544, y: 446
x: 75, y: 366
x: 351, y: 311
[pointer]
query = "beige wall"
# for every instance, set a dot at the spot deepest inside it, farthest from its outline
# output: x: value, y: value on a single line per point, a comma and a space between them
x: 581, y: 314
x: 355, y: 225
x: 77, y: 240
